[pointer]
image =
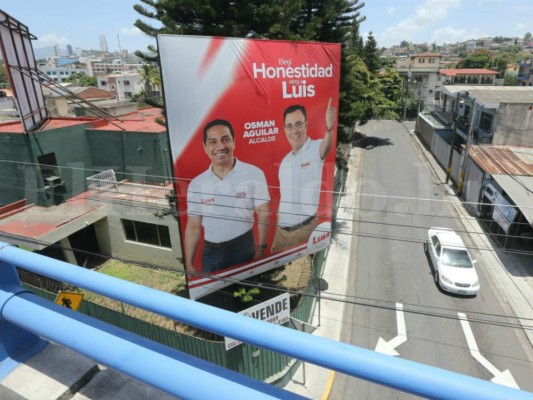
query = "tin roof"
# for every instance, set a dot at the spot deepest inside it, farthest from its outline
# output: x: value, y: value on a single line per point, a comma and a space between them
x: 492, y: 96
x: 508, y: 160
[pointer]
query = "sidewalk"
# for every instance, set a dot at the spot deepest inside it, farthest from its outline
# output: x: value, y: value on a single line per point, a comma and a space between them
x: 310, y: 380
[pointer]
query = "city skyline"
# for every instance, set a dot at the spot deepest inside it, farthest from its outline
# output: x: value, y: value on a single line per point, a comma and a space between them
x: 391, y: 21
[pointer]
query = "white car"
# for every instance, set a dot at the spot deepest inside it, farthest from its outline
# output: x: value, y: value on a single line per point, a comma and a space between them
x: 453, y: 269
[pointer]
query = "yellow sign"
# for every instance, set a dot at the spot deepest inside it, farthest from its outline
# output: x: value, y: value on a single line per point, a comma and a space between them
x: 69, y: 299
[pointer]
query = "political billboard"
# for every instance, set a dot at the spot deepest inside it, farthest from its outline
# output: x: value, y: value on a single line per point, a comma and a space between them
x: 252, y: 128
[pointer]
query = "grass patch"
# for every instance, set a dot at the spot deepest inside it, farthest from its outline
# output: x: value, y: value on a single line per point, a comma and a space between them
x: 163, y: 280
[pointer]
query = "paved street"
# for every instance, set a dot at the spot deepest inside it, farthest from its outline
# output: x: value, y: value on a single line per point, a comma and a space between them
x: 396, y: 302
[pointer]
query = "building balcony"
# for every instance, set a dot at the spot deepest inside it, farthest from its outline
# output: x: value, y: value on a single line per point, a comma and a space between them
x: 104, y: 186
x: 446, y: 117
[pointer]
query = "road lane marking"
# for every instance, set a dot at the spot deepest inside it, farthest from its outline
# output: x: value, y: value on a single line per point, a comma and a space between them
x: 389, y: 347
x: 500, y: 377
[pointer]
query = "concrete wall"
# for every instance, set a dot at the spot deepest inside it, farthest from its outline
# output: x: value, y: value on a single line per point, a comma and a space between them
x: 112, y: 240
x: 440, y: 147
x: 18, y: 180
x: 424, y: 130
x: 514, y: 125
x: 473, y: 182
x: 136, y: 156
x: 72, y: 153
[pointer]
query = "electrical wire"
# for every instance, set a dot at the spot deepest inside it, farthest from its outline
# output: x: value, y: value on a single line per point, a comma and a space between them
x: 338, y: 231
x: 336, y: 297
x: 481, y: 318
x: 342, y: 232
x: 177, y: 180
x: 150, y: 197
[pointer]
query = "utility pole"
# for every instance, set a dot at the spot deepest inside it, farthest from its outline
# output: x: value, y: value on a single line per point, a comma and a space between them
x: 468, y: 142
x: 406, y: 93
x: 454, y: 133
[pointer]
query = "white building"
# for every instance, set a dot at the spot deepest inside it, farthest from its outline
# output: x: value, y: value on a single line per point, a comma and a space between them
x: 421, y: 72
x: 471, y: 45
x: 60, y: 74
x: 123, y: 86
x: 97, y: 67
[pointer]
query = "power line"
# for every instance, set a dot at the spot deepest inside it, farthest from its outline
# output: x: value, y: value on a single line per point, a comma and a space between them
x: 177, y: 180
x: 156, y: 208
x: 414, y: 309
x: 149, y: 197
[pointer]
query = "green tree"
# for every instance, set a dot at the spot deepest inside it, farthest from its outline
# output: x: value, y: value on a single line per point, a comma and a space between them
x: 241, y: 18
x: 510, y: 78
x: 477, y: 59
x: 462, y: 52
x: 3, y: 73
x: 391, y: 84
x: 515, y: 49
x: 423, y: 48
x: 371, y: 54
x: 499, y: 63
x: 355, y: 94
x: 356, y: 44
x: 528, y: 37
x: 404, y: 43
x: 334, y: 21
x: 82, y: 79
x: 151, y: 78
x: 387, y: 62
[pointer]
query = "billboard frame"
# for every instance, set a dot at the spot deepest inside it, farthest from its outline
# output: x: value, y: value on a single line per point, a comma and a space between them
x: 23, y: 75
x: 190, y: 66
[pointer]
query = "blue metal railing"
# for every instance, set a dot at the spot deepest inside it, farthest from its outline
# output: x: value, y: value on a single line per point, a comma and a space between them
x: 185, y: 376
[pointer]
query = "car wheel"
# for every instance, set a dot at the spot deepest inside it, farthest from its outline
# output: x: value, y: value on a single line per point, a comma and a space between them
x: 436, y: 276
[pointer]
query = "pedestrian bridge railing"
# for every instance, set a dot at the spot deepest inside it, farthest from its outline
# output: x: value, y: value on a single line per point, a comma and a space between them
x: 25, y: 317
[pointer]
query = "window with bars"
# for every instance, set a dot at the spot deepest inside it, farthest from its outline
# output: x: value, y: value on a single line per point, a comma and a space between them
x: 485, y: 122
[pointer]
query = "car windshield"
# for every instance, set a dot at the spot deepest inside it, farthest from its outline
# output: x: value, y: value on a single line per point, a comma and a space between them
x: 456, y: 258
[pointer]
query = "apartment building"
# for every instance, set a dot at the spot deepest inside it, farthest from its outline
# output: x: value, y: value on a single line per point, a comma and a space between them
x: 525, y: 73
x: 122, y: 86
x: 421, y: 72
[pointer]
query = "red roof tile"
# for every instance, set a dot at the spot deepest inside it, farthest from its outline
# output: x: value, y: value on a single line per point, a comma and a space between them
x: 139, y: 121
x: 428, y: 54
x: 467, y: 71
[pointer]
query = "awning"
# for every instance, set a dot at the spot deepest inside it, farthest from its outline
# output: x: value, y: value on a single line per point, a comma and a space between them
x: 520, y: 190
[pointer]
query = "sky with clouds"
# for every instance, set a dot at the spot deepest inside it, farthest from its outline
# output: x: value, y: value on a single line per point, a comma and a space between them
x: 80, y: 23
x: 445, y: 21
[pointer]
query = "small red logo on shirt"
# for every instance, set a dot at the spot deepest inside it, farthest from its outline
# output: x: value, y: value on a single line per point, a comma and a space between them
x: 240, y: 194
x: 305, y: 165
x: 207, y: 201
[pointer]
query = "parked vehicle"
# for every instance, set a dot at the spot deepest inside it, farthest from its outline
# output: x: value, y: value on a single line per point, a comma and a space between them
x: 453, y: 268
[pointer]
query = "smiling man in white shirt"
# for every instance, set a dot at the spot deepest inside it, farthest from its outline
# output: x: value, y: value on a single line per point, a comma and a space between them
x: 300, y: 178
x: 223, y: 200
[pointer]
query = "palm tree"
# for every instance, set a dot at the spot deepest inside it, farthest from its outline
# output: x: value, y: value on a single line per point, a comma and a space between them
x: 151, y: 77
